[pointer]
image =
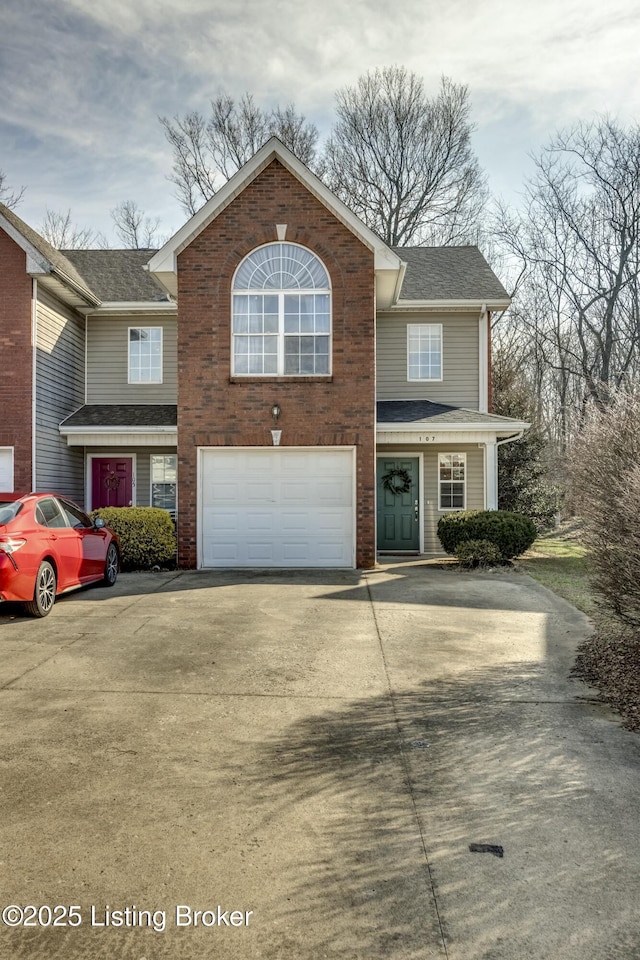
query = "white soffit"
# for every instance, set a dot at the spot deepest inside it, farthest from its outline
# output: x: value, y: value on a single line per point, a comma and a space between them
x: 164, y: 263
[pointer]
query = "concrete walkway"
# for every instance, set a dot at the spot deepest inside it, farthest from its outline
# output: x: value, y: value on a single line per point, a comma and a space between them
x: 317, y: 752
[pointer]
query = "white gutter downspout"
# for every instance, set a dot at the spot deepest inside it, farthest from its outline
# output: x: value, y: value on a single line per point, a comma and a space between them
x: 34, y: 364
x: 483, y: 352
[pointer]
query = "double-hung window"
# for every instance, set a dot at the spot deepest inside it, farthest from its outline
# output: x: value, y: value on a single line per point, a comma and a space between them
x: 281, y: 313
x: 452, y: 473
x: 164, y: 482
x: 424, y: 351
x: 145, y: 354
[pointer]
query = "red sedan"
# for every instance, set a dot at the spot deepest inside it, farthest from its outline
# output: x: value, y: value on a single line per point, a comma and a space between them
x: 48, y: 546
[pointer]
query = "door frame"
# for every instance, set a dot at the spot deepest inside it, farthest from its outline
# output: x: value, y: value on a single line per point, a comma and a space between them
x: 413, y: 454
x: 89, y: 474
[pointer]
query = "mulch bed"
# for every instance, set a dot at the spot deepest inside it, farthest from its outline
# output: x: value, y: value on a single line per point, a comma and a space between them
x: 611, y: 663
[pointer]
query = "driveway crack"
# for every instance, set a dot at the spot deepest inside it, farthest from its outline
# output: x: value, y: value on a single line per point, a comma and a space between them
x: 407, y: 772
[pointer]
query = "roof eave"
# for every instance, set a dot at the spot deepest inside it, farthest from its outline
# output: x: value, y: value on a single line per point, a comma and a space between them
x: 462, y: 305
x: 115, y: 307
x: 419, y: 426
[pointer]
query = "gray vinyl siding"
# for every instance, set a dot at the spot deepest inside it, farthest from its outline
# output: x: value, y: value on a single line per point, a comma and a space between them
x: 108, y: 361
x: 142, y: 467
x: 60, y: 343
x: 430, y: 502
x: 460, y: 360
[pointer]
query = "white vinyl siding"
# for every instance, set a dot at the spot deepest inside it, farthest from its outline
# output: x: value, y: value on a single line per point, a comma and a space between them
x: 108, y: 362
x: 460, y: 360
x: 60, y: 349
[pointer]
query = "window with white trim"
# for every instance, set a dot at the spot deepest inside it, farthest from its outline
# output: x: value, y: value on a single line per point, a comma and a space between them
x: 281, y: 313
x: 164, y: 481
x: 424, y: 351
x: 145, y: 354
x: 452, y: 479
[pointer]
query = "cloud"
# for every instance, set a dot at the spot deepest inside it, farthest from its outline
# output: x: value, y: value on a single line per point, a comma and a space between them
x: 84, y: 82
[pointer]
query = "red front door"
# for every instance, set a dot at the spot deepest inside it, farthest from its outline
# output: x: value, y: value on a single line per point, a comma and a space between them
x: 111, y: 482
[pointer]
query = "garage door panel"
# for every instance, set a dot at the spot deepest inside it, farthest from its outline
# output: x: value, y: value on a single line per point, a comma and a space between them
x: 277, y: 508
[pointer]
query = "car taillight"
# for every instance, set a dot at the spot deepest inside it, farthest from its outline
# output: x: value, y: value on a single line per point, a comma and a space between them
x: 10, y: 545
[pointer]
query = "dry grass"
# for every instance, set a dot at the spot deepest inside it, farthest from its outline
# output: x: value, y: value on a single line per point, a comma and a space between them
x: 609, y: 659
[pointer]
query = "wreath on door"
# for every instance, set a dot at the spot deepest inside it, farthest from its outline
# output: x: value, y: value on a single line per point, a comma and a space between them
x: 112, y: 481
x: 397, y: 481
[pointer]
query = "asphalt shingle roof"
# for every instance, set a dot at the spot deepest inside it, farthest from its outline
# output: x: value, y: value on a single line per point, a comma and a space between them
x: 124, y: 415
x: 411, y: 411
x: 118, y: 275
x: 57, y: 258
x: 448, y: 273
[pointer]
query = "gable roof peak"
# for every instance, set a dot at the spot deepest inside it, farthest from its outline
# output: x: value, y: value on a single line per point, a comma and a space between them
x: 164, y: 263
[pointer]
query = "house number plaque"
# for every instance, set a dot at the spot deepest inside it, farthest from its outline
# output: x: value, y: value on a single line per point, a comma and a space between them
x: 426, y: 438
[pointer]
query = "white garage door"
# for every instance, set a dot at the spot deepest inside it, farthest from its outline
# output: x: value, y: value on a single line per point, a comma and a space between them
x: 6, y: 469
x: 276, y: 508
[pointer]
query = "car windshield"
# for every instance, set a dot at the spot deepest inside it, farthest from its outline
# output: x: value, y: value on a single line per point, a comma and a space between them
x: 9, y: 510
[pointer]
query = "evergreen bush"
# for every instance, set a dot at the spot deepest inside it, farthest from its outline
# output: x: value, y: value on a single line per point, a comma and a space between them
x: 510, y: 532
x: 478, y: 553
x: 147, y: 535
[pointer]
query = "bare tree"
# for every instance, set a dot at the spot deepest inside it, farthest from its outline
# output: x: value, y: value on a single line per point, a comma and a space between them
x: 605, y: 470
x: 403, y: 161
x: 10, y: 198
x: 207, y: 151
x: 60, y: 231
x: 134, y: 228
x: 577, y: 240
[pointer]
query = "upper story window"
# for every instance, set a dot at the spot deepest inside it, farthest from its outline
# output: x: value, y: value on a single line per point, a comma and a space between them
x: 145, y: 354
x: 424, y: 351
x: 281, y: 313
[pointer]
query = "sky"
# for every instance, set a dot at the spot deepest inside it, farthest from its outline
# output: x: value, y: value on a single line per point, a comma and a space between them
x: 84, y: 81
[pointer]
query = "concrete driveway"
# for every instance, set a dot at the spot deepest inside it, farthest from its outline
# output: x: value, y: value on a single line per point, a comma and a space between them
x: 306, y: 758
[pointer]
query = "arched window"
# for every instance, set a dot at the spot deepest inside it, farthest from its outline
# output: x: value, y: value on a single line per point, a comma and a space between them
x: 281, y: 313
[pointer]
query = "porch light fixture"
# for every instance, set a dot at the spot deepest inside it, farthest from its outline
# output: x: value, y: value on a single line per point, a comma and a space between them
x: 275, y: 411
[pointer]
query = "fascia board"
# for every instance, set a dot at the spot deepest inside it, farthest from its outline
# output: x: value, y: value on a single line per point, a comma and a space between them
x: 464, y: 306
x: 116, y: 429
x: 132, y: 306
x: 419, y: 426
x: 164, y: 261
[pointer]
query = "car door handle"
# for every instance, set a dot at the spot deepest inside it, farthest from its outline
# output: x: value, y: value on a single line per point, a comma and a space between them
x: 52, y: 536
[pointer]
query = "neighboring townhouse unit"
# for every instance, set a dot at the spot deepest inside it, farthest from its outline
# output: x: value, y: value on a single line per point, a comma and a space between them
x: 293, y: 390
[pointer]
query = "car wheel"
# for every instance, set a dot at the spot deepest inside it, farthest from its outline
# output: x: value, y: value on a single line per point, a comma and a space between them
x: 111, y: 566
x: 44, y: 594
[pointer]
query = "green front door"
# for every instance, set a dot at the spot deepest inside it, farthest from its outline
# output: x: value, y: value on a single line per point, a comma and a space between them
x: 398, y: 501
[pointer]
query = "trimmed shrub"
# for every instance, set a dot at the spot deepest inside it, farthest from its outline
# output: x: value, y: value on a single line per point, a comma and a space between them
x: 147, y: 535
x: 510, y: 532
x: 478, y: 553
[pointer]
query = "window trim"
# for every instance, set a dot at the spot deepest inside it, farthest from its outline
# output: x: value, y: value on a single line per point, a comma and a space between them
x: 410, y: 379
x: 145, y: 383
x: 439, y: 481
x: 172, y: 513
x: 12, y: 468
x: 281, y: 335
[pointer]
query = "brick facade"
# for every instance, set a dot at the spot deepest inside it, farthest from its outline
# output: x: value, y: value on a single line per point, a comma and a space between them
x: 216, y: 410
x: 16, y: 357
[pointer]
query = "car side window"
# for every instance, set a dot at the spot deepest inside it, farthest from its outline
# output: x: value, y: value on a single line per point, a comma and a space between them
x: 75, y: 516
x: 49, y: 515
